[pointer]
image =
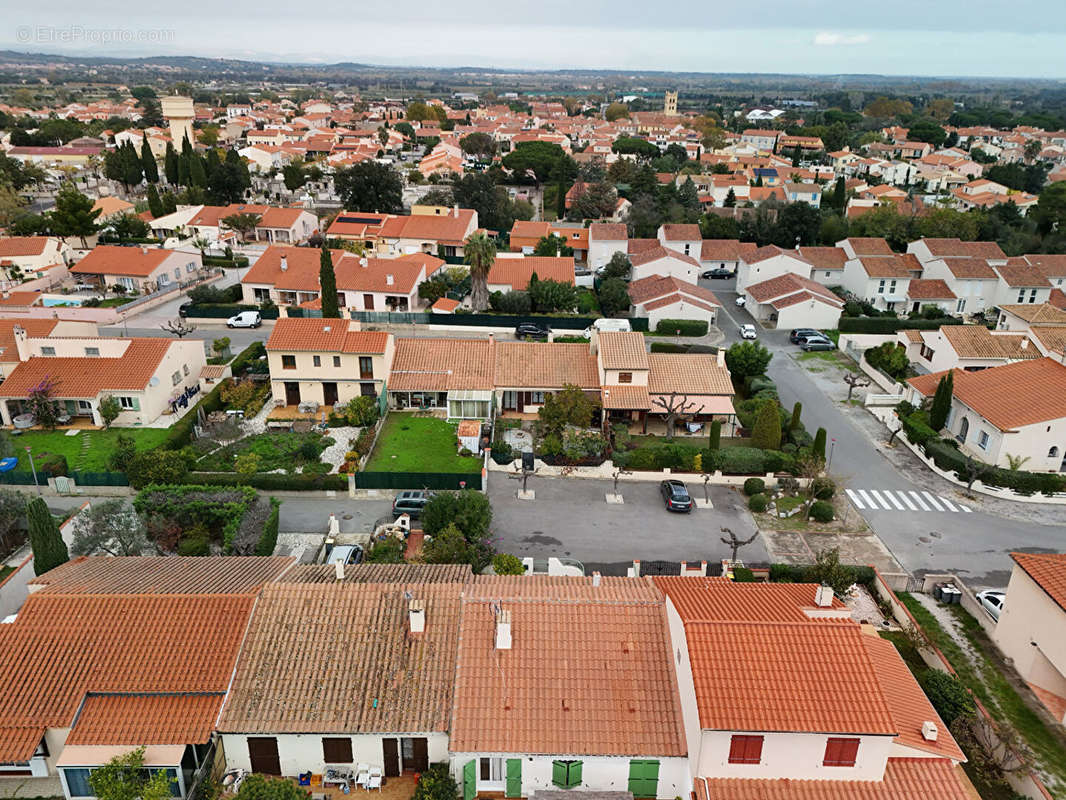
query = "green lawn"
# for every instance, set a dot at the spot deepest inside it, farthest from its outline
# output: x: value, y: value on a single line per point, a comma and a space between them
x: 410, y: 443
x: 115, y: 302
x: 985, y: 678
x: 89, y: 450
x: 695, y: 441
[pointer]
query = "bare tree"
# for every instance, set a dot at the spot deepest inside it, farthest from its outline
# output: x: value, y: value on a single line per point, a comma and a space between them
x: 523, y: 475
x: 855, y: 381
x: 619, y: 473
x: 999, y: 748
x: 178, y: 328
x: 734, y: 543
x: 675, y: 406
x: 706, y: 487
x: 973, y: 471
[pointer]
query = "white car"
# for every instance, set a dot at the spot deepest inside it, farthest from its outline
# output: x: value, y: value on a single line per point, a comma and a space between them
x: 747, y: 331
x: 246, y: 319
x: 741, y: 301
x: 992, y: 602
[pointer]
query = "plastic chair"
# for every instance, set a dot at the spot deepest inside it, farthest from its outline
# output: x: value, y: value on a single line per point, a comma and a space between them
x: 362, y: 774
x: 374, y: 780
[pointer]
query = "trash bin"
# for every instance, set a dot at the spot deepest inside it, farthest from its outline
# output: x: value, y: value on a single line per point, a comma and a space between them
x: 938, y: 592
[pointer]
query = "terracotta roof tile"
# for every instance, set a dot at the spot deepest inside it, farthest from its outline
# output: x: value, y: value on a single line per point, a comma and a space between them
x: 942, y: 248
x: 625, y: 396
x: 722, y: 600
x: 690, y: 373
x: 904, y: 779
x: 608, y: 232
x: 381, y: 573
x: 1048, y: 570
x: 1008, y: 396
x: 151, y: 575
x: 788, y: 284
x: 106, y: 259
x: 516, y: 272
x: 1043, y: 314
x: 1017, y: 273
x: 645, y: 289
x: 1051, y: 265
x: 674, y: 232
x: 110, y: 719
x: 437, y: 365
x: 824, y: 258
x: 615, y: 694
x: 22, y: 246
x: 894, y: 266
x: 325, y: 335
x: 1052, y: 338
x: 657, y: 253
x: 526, y: 229
x: 634, y: 246
x: 929, y: 289
x: 442, y: 228
x: 726, y: 250
x: 976, y: 341
x: 869, y: 246
x: 621, y: 350
x: 323, y: 658
x: 19, y: 743
x: 33, y: 328
x: 544, y: 365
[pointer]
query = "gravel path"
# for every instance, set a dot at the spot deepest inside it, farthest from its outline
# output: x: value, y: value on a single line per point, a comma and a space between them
x: 342, y: 443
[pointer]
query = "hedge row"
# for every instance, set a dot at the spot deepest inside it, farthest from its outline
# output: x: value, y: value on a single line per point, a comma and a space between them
x: 682, y: 327
x: 891, y: 324
x: 180, y: 433
x: 674, y: 347
x: 247, y: 358
x: 948, y: 458
x: 221, y: 261
x: 682, y: 457
x: 272, y: 481
x: 268, y: 539
x: 801, y: 573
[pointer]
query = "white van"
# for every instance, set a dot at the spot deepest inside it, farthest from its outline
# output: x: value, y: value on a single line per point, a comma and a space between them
x: 246, y: 319
x: 604, y: 325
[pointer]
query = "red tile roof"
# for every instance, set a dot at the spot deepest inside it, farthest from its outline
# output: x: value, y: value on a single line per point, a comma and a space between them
x: 437, y: 365
x: 722, y: 600
x: 113, y: 719
x: 33, y: 327
x: 956, y: 247
x: 151, y: 575
x: 536, y: 365
x: 625, y: 396
x: 325, y: 335
x: 22, y: 246
x: 673, y: 232
x: 1048, y: 570
x: 824, y: 258
x: 726, y: 250
x: 608, y: 232
x: 18, y: 743
x: 516, y: 272
x: 106, y: 259
x: 656, y: 253
x: 869, y: 246
x: 645, y: 289
x: 443, y: 228
x: 929, y: 289
x: 790, y: 283
x: 621, y: 350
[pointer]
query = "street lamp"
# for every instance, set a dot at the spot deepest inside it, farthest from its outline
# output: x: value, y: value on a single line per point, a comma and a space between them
x: 33, y: 469
x: 832, y: 444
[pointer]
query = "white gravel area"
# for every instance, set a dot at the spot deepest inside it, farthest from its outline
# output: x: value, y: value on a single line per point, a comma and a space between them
x: 334, y: 454
x: 863, y: 607
x: 257, y: 424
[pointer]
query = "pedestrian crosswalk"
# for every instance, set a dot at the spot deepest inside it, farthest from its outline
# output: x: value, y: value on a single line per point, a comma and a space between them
x: 894, y: 500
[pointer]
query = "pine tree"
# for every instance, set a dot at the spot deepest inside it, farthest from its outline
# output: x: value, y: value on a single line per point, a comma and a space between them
x: 766, y: 433
x: 938, y: 412
x: 818, y: 448
x: 730, y: 199
x: 49, y: 549
x: 155, y: 205
x: 327, y: 283
x: 148, y: 165
x: 240, y: 167
x: 796, y: 155
x: 170, y: 164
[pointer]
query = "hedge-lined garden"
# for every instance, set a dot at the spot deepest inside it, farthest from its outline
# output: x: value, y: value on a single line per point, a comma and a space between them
x: 198, y: 520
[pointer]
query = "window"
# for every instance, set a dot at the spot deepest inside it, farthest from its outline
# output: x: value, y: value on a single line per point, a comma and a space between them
x: 625, y: 377
x: 982, y: 440
x: 644, y: 777
x: 288, y: 362
x: 964, y: 429
x: 48, y: 351
x: 892, y: 287
x: 78, y: 782
x: 1032, y: 295
x: 177, y: 273
x: 491, y: 770
x: 1021, y: 295
x: 128, y: 283
x: 745, y: 749
x: 366, y: 367
x: 840, y: 752
x: 336, y: 361
x: 127, y: 403
x: 1053, y: 452
x: 880, y: 287
x: 566, y: 774
x: 960, y: 306
x: 175, y: 789
x: 176, y: 378
x: 190, y: 267
x: 185, y: 369
x: 926, y: 352
x: 337, y: 751
x: 92, y: 352
x: 316, y: 360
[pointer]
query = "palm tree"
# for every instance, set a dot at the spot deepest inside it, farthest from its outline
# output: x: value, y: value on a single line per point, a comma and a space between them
x: 201, y: 243
x: 480, y: 253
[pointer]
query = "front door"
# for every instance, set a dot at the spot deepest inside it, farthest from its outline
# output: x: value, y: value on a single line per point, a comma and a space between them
x: 415, y: 755
x: 263, y: 752
x: 292, y: 393
x: 368, y: 302
x: 391, y: 755
x: 329, y: 393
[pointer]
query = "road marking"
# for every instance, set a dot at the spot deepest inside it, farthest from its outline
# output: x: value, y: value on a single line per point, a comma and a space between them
x: 907, y: 501
x: 918, y: 499
x: 866, y: 497
x: 855, y: 499
x: 932, y: 501
x: 880, y: 500
x: 947, y: 502
x: 895, y: 502
x: 967, y: 510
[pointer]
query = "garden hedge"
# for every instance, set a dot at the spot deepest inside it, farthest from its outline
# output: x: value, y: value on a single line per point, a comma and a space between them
x: 682, y: 327
x: 946, y: 456
x: 800, y: 573
x: 273, y: 481
x: 268, y: 540
x: 680, y: 456
x: 892, y: 324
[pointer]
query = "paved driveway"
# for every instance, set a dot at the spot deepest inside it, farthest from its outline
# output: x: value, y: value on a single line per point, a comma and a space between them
x: 571, y: 518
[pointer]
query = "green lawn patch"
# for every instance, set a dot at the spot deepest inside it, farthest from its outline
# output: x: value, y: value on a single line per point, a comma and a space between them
x: 89, y: 450
x: 287, y: 451
x: 114, y: 302
x: 834, y: 335
x: 410, y: 443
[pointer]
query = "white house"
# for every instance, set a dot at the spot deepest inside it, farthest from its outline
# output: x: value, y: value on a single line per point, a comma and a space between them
x: 684, y: 239
x: 606, y: 239
x: 771, y: 262
x: 1019, y: 282
x: 664, y: 261
x: 966, y: 347
x: 792, y: 301
x: 881, y: 280
x: 660, y: 297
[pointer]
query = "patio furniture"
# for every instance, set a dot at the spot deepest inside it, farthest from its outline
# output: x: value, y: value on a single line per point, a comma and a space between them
x: 337, y: 775
x: 362, y: 774
x: 375, y: 780
x: 24, y: 421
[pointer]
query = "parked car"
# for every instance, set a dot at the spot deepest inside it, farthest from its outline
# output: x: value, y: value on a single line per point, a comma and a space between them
x: 245, y: 319
x: 676, y: 496
x: 741, y: 301
x: 410, y: 501
x: 532, y: 330
x: 817, y: 343
x: 992, y: 602
x: 717, y: 273
x: 747, y: 331
x: 346, y: 554
x: 183, y: 310
x: 797, y: 335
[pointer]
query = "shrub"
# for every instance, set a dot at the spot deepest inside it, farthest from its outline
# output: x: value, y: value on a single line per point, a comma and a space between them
x: 818, y: 448
x: 891, y: 324
x: 890, y: 358
x: 788, y: 485
x: 364, y: 443
x: 821, y: 511
x: 268, y: 540
x: 767, y: 431
x: 46, y: 542
x: 272, y: 481
x: 361, y: 411
x: 948, y: 694
x: 823, y: 488
x: 436, y: 783
x: 759, y: 383
x: 682, y: 327
x: 157, y: 466
x: 507, y: 564
x: 743, y: 575
x: 195, y: 542
x: 387, y: 551
x: 716, y: 434
x: 250, y: 359
x: 754, y: 486
x: 757, y: 503
x: 53, y: 463
x: 916, y: 430
x: 125, y: 449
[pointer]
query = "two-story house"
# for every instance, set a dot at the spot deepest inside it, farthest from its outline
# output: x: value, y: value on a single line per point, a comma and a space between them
x: 684, y: 239
x: 1019, y: 282
x: 881, y: 281
x: 606, y: 239
x: 769, y: 262
x: 967, y: 347
x: 966, y: 268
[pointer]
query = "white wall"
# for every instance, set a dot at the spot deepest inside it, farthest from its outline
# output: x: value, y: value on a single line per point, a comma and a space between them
x: 1032, y: 631
x: 773, y: 267
x: 600, y: 251
x: 809, y: 314
x: 302, y: 752
x: 690, y: 713
x: 668, y: 266
x: 681, y: 310
x: 797, y: 756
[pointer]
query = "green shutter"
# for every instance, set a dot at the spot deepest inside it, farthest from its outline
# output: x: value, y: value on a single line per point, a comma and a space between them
x: 514, y: 777
x: 559, y: 773
x: 573, y: 774
x: 644, y: 777
x: 136, y: 403
x: 469, y: 780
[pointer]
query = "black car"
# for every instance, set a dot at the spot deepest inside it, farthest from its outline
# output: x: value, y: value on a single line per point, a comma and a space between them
x: 531, y: 330
x: 718, y: 272
x: 183, y: 310
x: 410, y: 502
x: 817, y: 343
x: 676, y: 496
x: 799, y: 334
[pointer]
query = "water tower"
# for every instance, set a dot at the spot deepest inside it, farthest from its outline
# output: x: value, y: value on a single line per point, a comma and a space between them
x: 178, y: 111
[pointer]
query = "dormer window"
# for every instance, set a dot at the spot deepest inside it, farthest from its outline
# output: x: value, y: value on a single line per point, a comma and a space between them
x: 625, y: 377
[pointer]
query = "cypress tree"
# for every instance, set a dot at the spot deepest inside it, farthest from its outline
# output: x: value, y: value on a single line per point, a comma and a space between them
x: 155, y: 205
x: 766, y: 433
x: 818, y: 448
x: 170, y: 164
x: 170, y: 203
x: 716, y: 434
x: 49, y: 549
x: 938, y: 412
x: 148, y: 165
x: 184, y: 170
x: 327, y: 282
x: 796, y: 411
x: 240, y: 167
x: 197, y: 173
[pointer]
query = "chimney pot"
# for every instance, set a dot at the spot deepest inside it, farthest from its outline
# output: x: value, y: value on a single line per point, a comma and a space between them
x: 145, y: 250
x: 503, y: 630
x: 823, y: 596
x: 721, y: 357
x: 284, y: 263
x: 595, y: 579
x: 417, y: 615
x: 339, y: 570
x: 929, y: 731
x: 388, y: 280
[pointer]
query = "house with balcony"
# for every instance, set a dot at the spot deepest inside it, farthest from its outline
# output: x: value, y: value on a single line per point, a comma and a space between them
x: 326, y: 361
x: 882, y: 281
x: 1031, y: 630
x: 141, y: 270
x: 1017, y: 409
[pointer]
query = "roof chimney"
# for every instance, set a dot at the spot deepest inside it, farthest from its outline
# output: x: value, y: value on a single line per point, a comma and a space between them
x: 595, y: 580
x: 145, y: 249
x: 362, y: 262
x: 823, y: 596
x: 1025, y: 343
x: 503, y: 630
x: 416, y: 615
x: 929, y: 731
x: 721, y: 357
x: 388, y: 280
x: 339, y: 568
x: 284, y: 263
x: 21, y: 346
x: 455, y: 210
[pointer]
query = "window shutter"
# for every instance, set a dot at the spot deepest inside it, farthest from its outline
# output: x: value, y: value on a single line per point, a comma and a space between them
x: 337, y: 750
x: 840, y: 752
x: 558, y: 774
x: 574, y: 774
x: 514, y: 777
x: 469, y: 780
x: 644, y: 777
x: 136, y: 403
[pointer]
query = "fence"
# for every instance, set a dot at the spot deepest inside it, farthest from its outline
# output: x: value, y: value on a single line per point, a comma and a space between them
x: 418, y: 480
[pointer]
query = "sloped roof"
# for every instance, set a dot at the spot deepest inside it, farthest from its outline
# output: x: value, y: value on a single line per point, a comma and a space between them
x: 539, y: 365
x: 869, y: 246
x: 1048, y: 570
x: 437, y: 365
x: 623, y: 350
x: 173, y: 575
x: 656, y: 253
x: 451, y: 228
x: 146, y: 719
x: 894, y: 266
x: 790, y: 283
x: 325, y: 335
x: 108, y: 259
x: 630, y: 396
x: 381, y: 573
x: 15, y: 246
x: 33, y: 327
x: 929, y: 289
x: 689, y: 373
x: 726, y: 250
x: 516, y: 272
x: 85, y: 377
x: 976, y: 341
x: 677, y: 232
x: 722, y: 600
x: 18, y: 743
x: 947, y: 248
x: 1042, y: 314
x: 608, y: 232
x: 824, y: 258
x: 1017, y: 273
x: 653, y: 286
x: 613, y: 693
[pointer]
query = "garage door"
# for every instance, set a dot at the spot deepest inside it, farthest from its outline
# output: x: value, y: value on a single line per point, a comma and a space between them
x: 263, y: 751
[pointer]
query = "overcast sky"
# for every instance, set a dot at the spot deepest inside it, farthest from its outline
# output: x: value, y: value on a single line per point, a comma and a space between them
x: 1018, y: 38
